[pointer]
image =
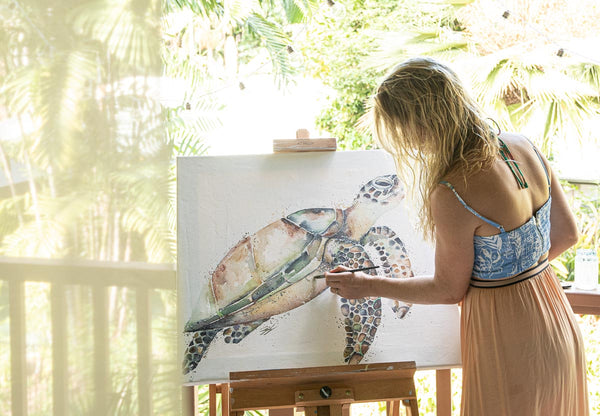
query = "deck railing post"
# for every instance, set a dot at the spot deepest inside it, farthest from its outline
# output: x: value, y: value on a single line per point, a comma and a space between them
x: 18, y: 373
x: 59, y: 349
x: 144, y: 350
x: 101, y: 350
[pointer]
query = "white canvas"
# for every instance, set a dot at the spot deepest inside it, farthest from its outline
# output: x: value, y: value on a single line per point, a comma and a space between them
x: 223, y: 200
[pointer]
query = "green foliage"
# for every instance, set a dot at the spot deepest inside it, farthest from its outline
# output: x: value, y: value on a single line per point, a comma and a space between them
x: 74, y: 83
x: 204, y: 409
x: 548, y: 98
x: 87, y: 165
x: 345, y: 110
x: 201, y: 8
x: 585, y: 202
x: 349, y: 52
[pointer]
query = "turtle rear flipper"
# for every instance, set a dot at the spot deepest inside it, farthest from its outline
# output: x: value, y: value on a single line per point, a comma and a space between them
x: 234, y: 334
x: 393, y: 257
x: 198, y: 346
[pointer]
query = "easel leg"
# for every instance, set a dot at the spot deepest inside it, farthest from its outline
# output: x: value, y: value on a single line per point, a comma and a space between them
x: 189, y: 398
x: 323, y: 410
x: 310, y: 411
x: 411, y: 406
x: 212, y: 400
x: 443, y: 392
x: 392, y: 408
x: 335, y: 410
x: 224, y: 390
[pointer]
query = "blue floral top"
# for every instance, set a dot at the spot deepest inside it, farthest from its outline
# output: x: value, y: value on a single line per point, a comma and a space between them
x: 511, y: 252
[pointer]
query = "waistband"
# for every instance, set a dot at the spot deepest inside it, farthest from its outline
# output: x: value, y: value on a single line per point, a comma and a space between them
x: 527, y: 274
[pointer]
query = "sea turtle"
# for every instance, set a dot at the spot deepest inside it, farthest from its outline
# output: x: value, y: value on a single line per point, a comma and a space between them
x: 271, y: 271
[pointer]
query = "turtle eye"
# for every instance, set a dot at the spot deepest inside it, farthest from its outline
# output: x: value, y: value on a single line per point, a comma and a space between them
x: 382, y: 183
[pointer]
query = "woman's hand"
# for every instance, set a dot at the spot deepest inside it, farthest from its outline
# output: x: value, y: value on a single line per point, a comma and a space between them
x: 350, y: 285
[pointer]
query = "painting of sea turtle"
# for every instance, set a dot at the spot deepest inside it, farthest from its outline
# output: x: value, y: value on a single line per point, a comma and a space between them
x: 271, y: 271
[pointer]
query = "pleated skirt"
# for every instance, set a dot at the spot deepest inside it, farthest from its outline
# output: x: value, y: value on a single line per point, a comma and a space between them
x: 522, y: 351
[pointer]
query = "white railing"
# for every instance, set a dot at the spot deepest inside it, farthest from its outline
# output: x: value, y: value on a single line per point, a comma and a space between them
x: 98, y: 276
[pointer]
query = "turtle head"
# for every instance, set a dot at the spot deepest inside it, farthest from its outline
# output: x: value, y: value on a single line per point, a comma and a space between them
x: 375, y: 198
x: 385, y: 191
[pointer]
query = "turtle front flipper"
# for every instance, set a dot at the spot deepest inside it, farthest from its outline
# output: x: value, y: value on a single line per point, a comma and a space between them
x: 361, y: 319
x: 361, y: 316
x: 392, y: 256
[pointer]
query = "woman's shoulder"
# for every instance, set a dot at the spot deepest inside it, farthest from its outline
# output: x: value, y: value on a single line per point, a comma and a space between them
x: 515, y: 139
x: 523, y: 148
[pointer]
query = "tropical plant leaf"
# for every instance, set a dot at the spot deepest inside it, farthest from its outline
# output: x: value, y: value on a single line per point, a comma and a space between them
x: 276, y: 42
x: 299, y: 11
x: 202, y: 8
x: 128, y: 31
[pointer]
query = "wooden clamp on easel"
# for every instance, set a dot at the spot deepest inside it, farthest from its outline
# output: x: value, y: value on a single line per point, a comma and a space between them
x: 324, y: 391
x: 303, y: 143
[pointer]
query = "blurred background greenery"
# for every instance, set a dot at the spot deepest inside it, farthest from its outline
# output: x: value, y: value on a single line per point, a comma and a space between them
x: 98, y: 98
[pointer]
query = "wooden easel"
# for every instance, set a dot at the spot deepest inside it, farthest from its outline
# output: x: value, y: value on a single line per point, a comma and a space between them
x: 443, y: 399
x: 319, y: 391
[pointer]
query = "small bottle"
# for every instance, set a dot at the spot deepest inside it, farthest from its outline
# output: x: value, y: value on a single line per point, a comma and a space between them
x: 586, y: 269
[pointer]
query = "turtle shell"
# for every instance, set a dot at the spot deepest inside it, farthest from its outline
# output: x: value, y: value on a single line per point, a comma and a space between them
x: 270, y: 260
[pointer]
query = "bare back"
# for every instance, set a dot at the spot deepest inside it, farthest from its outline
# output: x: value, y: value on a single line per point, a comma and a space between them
x: 495, y: 194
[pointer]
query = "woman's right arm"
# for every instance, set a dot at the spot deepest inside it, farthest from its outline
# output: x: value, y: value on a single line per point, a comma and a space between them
x: 563, y: 228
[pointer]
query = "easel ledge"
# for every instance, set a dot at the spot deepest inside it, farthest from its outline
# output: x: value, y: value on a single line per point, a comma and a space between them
x: 320, y: 391
x: 190, y: 399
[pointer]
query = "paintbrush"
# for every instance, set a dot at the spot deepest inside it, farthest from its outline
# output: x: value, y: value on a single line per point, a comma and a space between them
x: 322, y: 276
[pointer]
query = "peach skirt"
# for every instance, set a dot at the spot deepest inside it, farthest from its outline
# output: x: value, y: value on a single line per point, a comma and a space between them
x: 522, y: 351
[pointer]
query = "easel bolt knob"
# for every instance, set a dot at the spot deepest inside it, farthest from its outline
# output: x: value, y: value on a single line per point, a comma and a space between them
x: 301, y: 396
x: 325, y: 392
x: 348, y: 393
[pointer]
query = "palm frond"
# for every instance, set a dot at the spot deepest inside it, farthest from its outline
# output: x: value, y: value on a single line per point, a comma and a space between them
x: 202, y: 8
x: 130, y: 34
x: 145, y: 209
x: 239, y: 10
x: 299, y: 11
x: 9, y: 210
x: 276, y: 43
x: 394, y: 47
x: 587, y: 72
x: 44, y: 239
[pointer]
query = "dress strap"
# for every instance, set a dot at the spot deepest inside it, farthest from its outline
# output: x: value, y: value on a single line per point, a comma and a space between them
x: 512, y: 164
x: 471, y: 210
x: 537, y: 152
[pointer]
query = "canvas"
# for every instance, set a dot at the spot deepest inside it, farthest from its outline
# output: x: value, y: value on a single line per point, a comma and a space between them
x: 254, y: 230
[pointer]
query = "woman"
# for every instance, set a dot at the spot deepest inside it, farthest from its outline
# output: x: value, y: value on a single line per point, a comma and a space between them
x: 486, y: 199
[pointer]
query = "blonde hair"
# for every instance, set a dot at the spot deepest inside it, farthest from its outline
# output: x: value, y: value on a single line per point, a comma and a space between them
x: 423, y: 116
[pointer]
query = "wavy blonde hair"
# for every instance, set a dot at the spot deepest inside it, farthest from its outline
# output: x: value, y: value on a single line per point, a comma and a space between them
x: 425, y: 119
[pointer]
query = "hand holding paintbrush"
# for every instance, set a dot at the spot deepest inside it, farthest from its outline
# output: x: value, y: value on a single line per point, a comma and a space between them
x: 361, y: 269
x: 345, y: 283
